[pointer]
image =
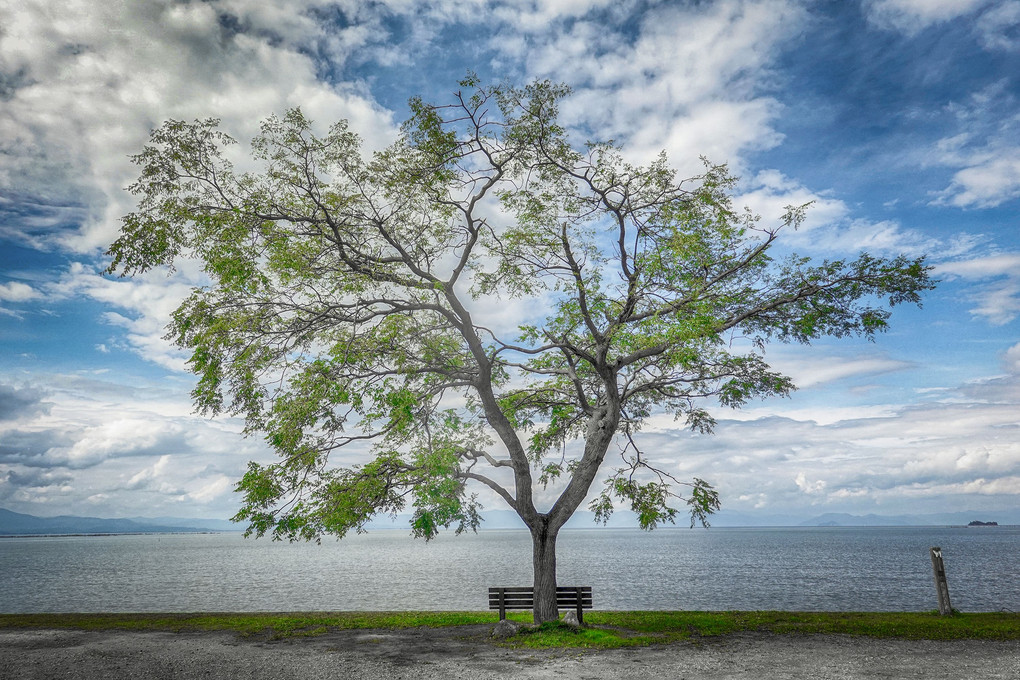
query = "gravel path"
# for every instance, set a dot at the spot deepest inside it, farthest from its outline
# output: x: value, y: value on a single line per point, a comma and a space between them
x: 466, y: 652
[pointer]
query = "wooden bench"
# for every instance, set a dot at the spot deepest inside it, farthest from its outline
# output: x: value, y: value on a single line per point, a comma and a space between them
x: 577, y: 598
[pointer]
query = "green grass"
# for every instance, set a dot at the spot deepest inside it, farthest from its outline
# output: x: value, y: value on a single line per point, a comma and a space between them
x: 277, y: 625
x: 605, y: 629
x: 623, y: 629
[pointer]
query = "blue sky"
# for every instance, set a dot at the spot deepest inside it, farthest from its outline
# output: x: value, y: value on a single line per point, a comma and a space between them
x: 898, y: 118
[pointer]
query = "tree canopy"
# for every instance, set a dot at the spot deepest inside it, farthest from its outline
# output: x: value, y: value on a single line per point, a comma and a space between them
x: 344, y: 291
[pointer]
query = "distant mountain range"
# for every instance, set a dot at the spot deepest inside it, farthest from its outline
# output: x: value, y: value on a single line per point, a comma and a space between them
x: 17, y: 524
x: 837, y: 519
x: 507, y: 519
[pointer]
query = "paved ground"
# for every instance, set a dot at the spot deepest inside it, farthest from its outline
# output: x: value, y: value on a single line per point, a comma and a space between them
x: 467, y: 652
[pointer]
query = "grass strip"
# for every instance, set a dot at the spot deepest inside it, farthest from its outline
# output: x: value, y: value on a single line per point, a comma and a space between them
x: 277, y: 624
x: 606, y: 629
x: 630, y: 628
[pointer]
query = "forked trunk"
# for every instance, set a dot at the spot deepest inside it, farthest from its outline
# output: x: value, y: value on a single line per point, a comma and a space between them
x: 544, y: 556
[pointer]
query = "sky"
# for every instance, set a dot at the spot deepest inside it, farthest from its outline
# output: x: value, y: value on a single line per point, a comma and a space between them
x: 899, y: 119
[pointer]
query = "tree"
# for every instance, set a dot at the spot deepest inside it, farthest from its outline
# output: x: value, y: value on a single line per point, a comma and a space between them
x: 343, y: 294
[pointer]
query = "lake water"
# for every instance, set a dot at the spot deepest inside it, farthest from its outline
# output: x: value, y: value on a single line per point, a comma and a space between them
x: 793, y: 569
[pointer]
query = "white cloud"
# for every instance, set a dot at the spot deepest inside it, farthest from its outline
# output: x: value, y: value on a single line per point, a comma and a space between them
x: 999, y: 302
x: 999, y: 27
x: 214, y: 489
x: 115, y: 449
x: 991, y: 179
x: 149, y: 300
x: 119, y: 437
x: 94, y: 77
x: 816, y: 487
x: 913, y: 16
x: 771, y: 192
x: 692, y: 81
x: 818, y: 369
x: 1012, y: 359
x: 17, y: 401
x: 15, y: 291
x: 983, y: 267
x: 941, y: 452
x: 984, y: 151
x: 536, y: 16
x: 829, y: 226
x: 954, y: 449
x: 997, y: 299
x: 147, y: 474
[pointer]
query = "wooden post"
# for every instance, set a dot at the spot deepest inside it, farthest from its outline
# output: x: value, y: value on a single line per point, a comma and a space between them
x: 941, y: 586
x: 580, y: 609
x: 502, y: 603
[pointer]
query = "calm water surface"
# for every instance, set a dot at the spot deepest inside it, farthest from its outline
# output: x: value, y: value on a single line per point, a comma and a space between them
x: 795, y: 569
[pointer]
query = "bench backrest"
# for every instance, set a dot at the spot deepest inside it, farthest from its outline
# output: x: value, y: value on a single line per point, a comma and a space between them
x: 567, y: 597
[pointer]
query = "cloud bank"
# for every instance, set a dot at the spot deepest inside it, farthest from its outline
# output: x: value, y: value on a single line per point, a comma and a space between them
x: 894, y: 428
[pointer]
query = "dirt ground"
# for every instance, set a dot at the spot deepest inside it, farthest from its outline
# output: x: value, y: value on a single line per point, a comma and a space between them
x: 467, y: 652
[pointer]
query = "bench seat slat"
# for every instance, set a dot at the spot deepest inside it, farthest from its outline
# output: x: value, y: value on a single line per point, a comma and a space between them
x: 513, y: 604
x: 528, y: 589
x: 560, y: 600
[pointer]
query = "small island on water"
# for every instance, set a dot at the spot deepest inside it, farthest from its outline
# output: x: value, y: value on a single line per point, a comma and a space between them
x: 977, y: 523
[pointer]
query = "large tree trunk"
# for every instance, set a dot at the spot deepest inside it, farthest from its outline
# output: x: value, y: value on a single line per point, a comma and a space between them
x: 545, y: 528
x: 544, y: 557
